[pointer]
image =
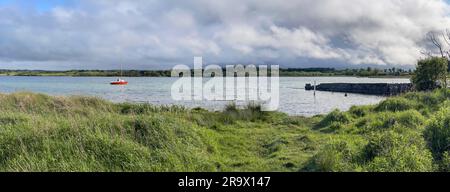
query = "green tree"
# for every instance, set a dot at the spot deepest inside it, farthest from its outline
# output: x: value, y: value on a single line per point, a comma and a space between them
x: 430, y: 73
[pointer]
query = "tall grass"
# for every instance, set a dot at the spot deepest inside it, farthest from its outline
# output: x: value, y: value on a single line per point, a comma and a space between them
x: 45, y: 133
x: 251, y: 112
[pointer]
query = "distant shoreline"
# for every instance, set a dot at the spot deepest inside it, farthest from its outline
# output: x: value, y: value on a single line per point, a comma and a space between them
x: 371, y: 77
x: 307, y: 72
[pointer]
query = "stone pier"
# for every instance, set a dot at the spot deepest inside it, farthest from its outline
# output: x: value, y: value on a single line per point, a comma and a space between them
x: 385, y: 89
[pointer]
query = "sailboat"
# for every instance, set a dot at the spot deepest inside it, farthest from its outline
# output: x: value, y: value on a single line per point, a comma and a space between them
x: 119, y: 81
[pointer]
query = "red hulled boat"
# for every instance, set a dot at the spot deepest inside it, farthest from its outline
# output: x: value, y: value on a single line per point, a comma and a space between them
x: 119, y: 82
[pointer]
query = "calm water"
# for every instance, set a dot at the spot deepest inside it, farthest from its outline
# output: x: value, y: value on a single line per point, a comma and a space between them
x: 294, y: 99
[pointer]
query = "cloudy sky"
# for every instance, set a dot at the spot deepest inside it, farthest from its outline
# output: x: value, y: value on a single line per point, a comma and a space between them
x: 157, y: 34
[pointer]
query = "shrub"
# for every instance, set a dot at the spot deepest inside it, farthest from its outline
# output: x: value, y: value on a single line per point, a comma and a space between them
x: 429, y: 101
x: 360, y: 111
x: 393, y: 152
x: 336, y: 156
x: 335, y: 118
x: 231, y: 107
x: 410, y: 119
x: 437, y: 133
x: 395, y: 104
x: 411, y: 159
x: 445, y: 163
x: 429, y: 72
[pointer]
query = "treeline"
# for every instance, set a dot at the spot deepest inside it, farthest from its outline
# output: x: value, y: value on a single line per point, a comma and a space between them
x: 289, y: 72
x: 88, y: 73
x: 363, y: 72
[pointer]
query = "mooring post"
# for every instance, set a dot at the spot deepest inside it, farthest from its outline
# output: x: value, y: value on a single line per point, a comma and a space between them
x: 315, y: 88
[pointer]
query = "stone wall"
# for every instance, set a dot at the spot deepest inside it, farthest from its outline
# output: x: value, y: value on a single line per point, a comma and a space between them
x: 364, y: 88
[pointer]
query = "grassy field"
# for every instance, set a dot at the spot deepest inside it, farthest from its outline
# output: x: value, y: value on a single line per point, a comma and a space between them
x: 44, y: 133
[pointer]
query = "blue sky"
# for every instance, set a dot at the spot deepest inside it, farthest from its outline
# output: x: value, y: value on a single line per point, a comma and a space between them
x: 158, y: 34
x: 41, y: 5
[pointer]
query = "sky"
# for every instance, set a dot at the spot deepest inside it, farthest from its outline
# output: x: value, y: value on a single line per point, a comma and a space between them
x: 158, y: 34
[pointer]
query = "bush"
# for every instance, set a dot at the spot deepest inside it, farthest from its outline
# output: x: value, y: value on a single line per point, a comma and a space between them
x: 231, y: 107
x: 393, y: 152
x: 408, y: 120
x: 395, y: 104
x: 360, y: 111
x: 429, y: 101
x: 337, y: 156
x: 437, y: 133
x: 445, y: 163
x: 335, y: 118
x: 429, y: 72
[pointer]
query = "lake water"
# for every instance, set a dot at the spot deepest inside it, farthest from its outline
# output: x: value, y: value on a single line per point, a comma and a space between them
x: 294, y: 100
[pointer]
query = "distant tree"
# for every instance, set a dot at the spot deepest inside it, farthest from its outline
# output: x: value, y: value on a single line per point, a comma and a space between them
x: 430, y: 73
x: 375, y: 72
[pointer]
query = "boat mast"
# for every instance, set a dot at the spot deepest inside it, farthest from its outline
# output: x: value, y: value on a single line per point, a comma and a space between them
x: 121, y: 69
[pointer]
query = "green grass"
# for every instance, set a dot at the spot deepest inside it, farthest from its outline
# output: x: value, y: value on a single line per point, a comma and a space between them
x: 45, y: 133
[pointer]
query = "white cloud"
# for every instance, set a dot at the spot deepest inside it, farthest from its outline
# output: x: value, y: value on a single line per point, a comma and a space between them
x: 158, y: 34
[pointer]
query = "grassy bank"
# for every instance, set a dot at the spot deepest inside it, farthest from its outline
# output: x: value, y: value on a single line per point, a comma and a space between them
x: 43, y: 133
